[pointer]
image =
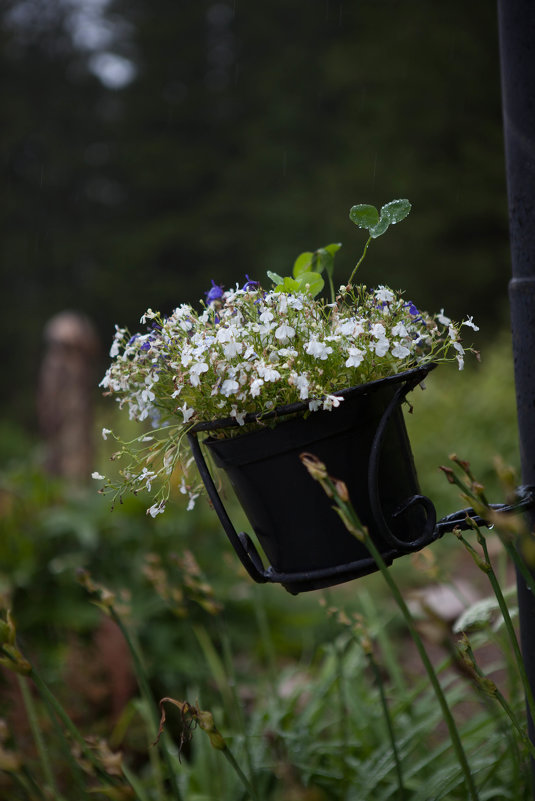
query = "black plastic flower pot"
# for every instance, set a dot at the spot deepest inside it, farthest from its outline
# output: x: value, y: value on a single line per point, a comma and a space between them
x: 364, y: 442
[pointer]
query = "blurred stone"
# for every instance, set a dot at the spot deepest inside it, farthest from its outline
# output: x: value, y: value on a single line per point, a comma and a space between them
x: 443, y: 602
x: 66, y: 392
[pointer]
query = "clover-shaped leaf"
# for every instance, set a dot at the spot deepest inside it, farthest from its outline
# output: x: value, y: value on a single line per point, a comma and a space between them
x: 364, y: 216
x: 368, y: 217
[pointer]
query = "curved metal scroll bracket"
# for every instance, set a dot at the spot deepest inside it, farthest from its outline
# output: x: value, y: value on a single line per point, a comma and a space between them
x: 242, y: 543
x: 428, y: 534
x: 526, y: 500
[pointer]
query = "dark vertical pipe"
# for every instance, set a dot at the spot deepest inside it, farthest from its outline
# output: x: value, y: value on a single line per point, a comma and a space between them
x: 516, y: 20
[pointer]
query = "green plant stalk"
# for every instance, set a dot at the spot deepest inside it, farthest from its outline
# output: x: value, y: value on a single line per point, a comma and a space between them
x: 28, y: 784
x: 509, y: 627
x: 57, y: 709
x: 389, y: 660
x: 57, y: 712
x: 29, y: 705
x: 231, y: 759
x: 517, y: 560
x: 229, y: 664
x: 357, y: 265
x: 389, y: 723
x: 344, y: 738
x: 331, y: 286
x: 485, y: 566
x: 348, y: 512
x: 265, y: 635
x: 135, y: 785
x: 142, y: 680
x: 495, y: 693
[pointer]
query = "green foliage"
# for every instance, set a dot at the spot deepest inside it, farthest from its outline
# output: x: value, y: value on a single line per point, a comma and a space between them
x: 290, y: 682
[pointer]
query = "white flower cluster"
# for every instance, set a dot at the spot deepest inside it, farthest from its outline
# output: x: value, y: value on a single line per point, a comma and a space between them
x: 250, y: 351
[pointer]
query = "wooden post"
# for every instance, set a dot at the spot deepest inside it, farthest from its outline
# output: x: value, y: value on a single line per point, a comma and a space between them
x: 66, y: 395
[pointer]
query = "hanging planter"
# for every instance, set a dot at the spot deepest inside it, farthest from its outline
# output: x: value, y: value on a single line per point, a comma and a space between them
x: 365, y: 444
x: 262, y: 376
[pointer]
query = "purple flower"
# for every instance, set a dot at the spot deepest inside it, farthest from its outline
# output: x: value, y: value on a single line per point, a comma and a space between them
x: 249, y: 283
x: 214, y: 293
x: 413, y: 311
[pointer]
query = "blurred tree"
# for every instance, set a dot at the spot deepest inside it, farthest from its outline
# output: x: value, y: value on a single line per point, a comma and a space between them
x: 239, y: 135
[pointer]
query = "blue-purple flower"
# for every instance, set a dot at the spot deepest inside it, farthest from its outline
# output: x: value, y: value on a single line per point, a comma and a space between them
x: 214, y: 293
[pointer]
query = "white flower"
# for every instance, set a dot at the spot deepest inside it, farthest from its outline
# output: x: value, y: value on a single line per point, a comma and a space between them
x: 355, y: 357
x: 186, y: 413
x: 225, y: 334
x: 295, y: 302
x: 149, y: 315
x: 195, y: 373
x: 239, y: 416
x: 399, y: 330
x: 317, y: 349
x: 314, y: 405
x: 284, y: 333
x: 105, y: 432
x: 381, y: 347
x: 442, y: 319
x: 97, y: 476
x: 147, y: 476
x: 229, y: 387
x: 156, y: 509
x: 351, y: 328
x: 232, y: 348
x: 384, y: 295
x: 378, y: 331
x: 191, y: 503
x: 301, y: 383
x: 399, y: 351
x: 268, y: 373
x: 256, y: 386
x: 470, y: 323
x: 249, y: 353
x: 332, y: 402
x: 147, y: 395
x: 266, y: 316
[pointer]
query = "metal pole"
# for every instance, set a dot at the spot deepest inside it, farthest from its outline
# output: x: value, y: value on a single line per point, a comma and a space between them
x: 516, y: 21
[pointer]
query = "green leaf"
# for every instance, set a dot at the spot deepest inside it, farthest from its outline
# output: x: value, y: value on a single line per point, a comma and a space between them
x: 364, y: 216
x: 391, y: 213
x: 288, y: 284
x: 333, y: 248
x: 275, y: 277
x: 397, y: 210
x: 314, y: 281
x: 302, y: 263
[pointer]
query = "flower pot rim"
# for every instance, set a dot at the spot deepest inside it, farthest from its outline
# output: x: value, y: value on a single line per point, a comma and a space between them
x: 413, y: 377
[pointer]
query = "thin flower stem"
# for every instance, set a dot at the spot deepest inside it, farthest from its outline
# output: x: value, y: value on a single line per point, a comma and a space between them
x: 389, y: 723
x: 141, y: 677
x: 508, y: 627
x: 495, y: 693
x: 57, y: 709
x: 360, y: 260
x: 37, y: 736
x: 231, y: 759
x: 331, y: 287
x: 237, y: 703
x: 517, y: 560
